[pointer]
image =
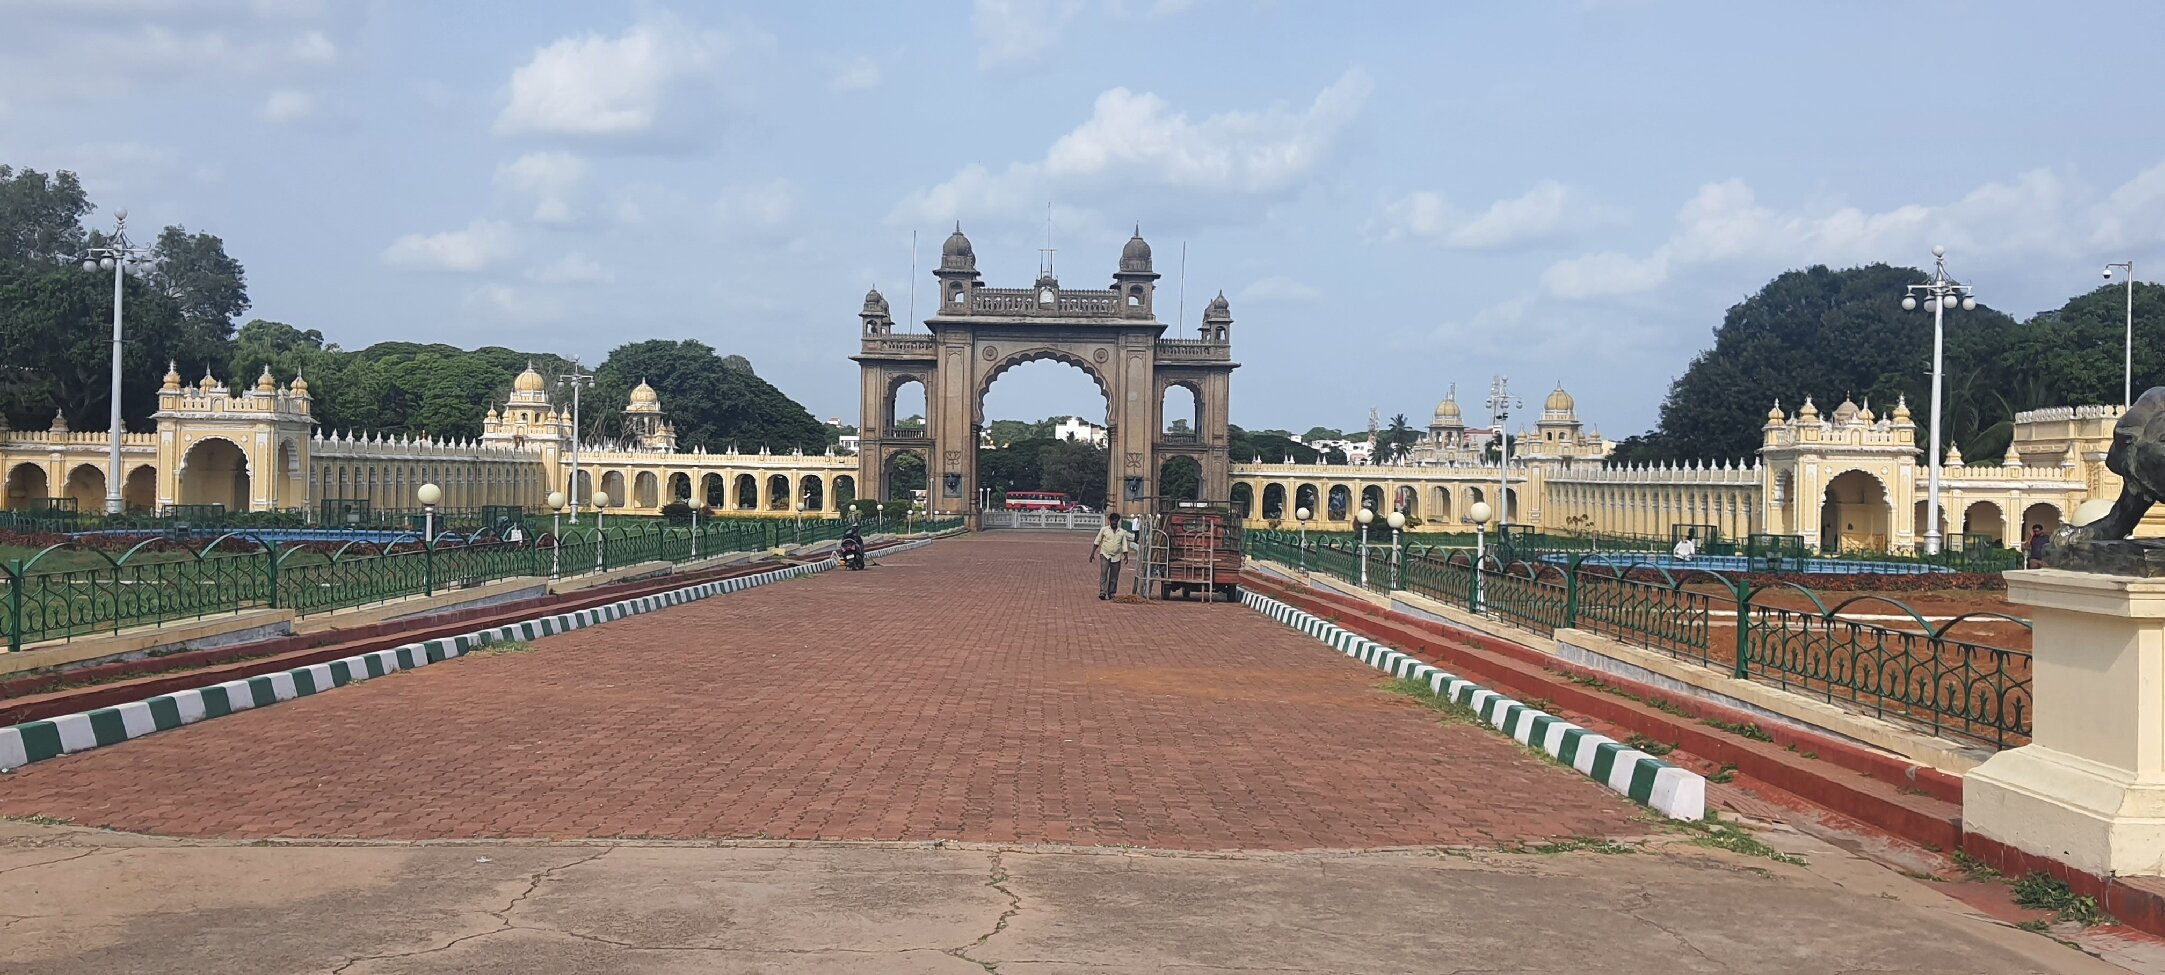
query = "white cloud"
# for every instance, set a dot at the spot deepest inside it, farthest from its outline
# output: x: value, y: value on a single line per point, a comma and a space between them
x: 572, y: 268
x: 856, y: 74
x: 597, y: 86
x: 1280, y: 288
x: 761, y: 208
x: 546, y: 178
x: 1009, y: 31
x: 506, y: 302
x: 483, y: 244
x: 45, y: 46
x: 1547, y: 211
x: 288, y: 106
x: 1606, y: 273
x: 1137, y: 141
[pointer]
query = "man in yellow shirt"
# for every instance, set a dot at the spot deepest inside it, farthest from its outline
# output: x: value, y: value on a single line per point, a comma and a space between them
x: 1110, y: 547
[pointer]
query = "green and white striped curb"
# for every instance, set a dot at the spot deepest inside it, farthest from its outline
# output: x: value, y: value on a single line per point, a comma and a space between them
x: 1674, y: 792
x: 36, y: 741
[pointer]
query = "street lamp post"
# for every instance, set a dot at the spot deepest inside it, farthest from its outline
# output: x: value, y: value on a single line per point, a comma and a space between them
x: 116, y: 255
x: 1397, y: 520
x: 576, y: 379
x: 1479, y: 513
x: 2128, y: 399
x: 428, y: 495
x: 1500, y: 405
x: 1943, y: 293
x: 695, y: 524
x: 601, y: 507
x: 555, y: 501
x: 1364, y: 516
x: 1301, y: 515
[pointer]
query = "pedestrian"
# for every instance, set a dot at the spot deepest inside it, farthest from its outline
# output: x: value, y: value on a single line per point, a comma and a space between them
x: 2036, y: 546
x: 1109, y: 548
x: 1685, y: 549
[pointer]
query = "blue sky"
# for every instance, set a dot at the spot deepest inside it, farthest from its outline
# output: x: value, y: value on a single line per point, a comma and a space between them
x: 1394, y: 196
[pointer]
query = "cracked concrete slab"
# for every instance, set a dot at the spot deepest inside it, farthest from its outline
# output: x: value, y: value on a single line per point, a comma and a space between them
x: 70, y: 905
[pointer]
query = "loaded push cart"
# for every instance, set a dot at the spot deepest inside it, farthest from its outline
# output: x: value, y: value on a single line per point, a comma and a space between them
x: 1192, y: 548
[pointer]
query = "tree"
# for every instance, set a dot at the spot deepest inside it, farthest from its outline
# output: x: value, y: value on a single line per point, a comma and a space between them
x: 1179, y: 427
x: 1321, y: 433
x: 56, y: 348
x: 194, y: 270
x: 1076, y: 469
x: 713, y: 405
x: 41, y: 217
x: 1397, y: 441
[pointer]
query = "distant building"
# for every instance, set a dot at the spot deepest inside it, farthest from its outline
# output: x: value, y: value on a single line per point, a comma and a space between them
x: 1079, y: 430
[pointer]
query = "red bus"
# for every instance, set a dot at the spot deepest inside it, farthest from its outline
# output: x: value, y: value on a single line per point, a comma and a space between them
x: 1037, y: 501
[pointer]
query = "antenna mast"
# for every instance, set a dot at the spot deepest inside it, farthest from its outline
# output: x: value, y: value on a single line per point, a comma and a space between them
x: 1044, y: 261
x: 1182, y: 321
x: 913, y: 279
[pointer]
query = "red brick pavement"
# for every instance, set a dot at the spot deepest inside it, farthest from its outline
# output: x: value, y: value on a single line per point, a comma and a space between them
x: 973, y: 690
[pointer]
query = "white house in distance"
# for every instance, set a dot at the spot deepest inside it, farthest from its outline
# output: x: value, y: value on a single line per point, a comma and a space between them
x: 1079, y: 430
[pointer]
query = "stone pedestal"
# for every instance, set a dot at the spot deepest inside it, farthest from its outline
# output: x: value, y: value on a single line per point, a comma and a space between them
x: 2089, y: 790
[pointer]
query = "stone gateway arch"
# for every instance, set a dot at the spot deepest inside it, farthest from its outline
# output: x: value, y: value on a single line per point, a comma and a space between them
x: 977, y: 333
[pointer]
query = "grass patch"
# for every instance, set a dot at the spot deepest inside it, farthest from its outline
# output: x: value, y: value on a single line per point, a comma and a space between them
x: 1715, y: 834
x: 1974, y: 868
x: 1748, y: 729
x: 1724, y: 775
x: 41, y: 820
x: 1650, y: 746
x: 2038, y: 891
x: 505, y: 646
x: 1577, y: 844
x: 1417, y: 690
x: 1663, y: 705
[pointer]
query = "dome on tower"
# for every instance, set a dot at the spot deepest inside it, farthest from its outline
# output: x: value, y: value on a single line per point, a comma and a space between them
x: 529, y: 381
x: 1559, y: 401
x: 1447, y: 412
x: 1775, y: 415
x: 644, y: 395
x: 875, y: 302
x: 956, y: 255
x: 1218, y: 310
x: 1136, y: 255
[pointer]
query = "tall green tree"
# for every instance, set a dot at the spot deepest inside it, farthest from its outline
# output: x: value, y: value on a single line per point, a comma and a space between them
x: 713, y: 404
x: 1075, y: 469
x: 56, y: 347
x: 41, y: 217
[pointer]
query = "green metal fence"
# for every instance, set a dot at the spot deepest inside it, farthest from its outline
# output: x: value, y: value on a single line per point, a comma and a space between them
x: 1950, y: 683
x: 67, y: 591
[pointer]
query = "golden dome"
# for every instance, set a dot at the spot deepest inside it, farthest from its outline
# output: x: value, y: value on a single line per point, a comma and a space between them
x: 1559, y: 401
x: 644, y: 393
x: 1447, y: 411
x: 266, y: 384
x: 1808, y: 412
x: 529, y: 381
x: 1901, y: 410
x: 207, y: 383
x: 172, y: 375
x: 300, y: 386
x: 1775, y: 414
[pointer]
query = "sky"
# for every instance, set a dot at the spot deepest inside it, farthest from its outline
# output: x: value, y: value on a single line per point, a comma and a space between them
x: 1394, y: 197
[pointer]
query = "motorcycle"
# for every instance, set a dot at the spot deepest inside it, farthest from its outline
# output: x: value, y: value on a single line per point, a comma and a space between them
x: 851, y: 552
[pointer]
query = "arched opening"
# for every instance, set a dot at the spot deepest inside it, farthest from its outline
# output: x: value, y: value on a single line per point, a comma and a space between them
x: 289, y: 483
x: 581, y: 488
x: 1243, y: 500
x: 813, y: 492
x: 140, y: 491
x: 27, y: 487
x: 778, y: 498
x: 1341, y: 506
x: 1408, y: 500
x: 612, y: 484
x: 2043, y: 514
x: 713, y: 491
x: 1180, y: 479
x: 86, y: 487
x: 1984, y: 519
x: 1511, y: 506
x: 747, y: 492
x: 905, y: 476
x: 1180, y: 413
x: 646, y: 490
x: 907, y: 414
x: 1919, y: 519
x: 1372, y: 499
x: 215, y: 472
x: 1439, y: 507
x: 845, y: 491
x: 1305, y: 496
x: 680, y: 487
x: 1274, y: 501
x: 1853, y: 514
x: 1033, y: 458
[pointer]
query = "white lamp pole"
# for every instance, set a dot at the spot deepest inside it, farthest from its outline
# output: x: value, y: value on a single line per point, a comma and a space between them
x: 1943, y: 292
x: 1500, y: 405
x: 1397, y: 520
x: 116, y: 255
x: 1363, y: 517
x: 428, y: 495
x: 576, y: 379
x: 1301, y: 515
x: 1479, y: 513
x: 601, y: 506
x: 555, y: 501
x: 2129, y: 266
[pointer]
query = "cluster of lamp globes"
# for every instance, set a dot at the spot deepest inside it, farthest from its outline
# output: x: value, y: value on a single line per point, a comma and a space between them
x: 1950, y: 302
x: 1396, y: 519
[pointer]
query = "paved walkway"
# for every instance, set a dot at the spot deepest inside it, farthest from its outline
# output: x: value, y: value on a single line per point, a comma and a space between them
x: 974, y: 690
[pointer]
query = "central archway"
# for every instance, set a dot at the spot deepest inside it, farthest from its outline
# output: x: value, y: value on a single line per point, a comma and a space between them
x: 215, y: 471
x: 1854, y: 515
x: 1067, y: 452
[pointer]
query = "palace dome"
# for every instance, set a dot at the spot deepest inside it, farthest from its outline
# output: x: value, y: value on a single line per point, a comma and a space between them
x: 529, y: 381
x: 644, y: 395
x: 1559, y: 401
x: 956, y: 254
x: 1136, y: 255
x: 1447, y: 412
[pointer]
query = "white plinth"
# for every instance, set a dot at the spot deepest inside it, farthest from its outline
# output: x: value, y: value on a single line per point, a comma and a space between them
x: 2089, y: 790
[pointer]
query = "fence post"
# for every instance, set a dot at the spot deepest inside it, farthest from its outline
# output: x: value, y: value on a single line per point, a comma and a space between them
x: 15, y: 606
x: 1571, y: 591
x: 1744, y: 629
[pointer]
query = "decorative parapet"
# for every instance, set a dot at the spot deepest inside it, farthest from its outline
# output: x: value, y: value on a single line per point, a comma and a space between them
x: 1735, y: 473
x: 2052, y: 414
x: 75, y: 438
x: 1371, y: 472
x: 1029, y: 302
x: 1193, y: 350
x: 898, y: 345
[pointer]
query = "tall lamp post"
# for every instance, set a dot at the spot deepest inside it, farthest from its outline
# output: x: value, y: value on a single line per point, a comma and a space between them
x: 1942, y: 292
x: 1397, y: 520
x: 576, y: 379
x: 601, y: 505
x: 116, y: 255
x: 555, y: 501
x: 2129, y: 266
x: 1500, y: 405
x: 1301, y: 515
x: 1479, y: 513
x: 1364, y: 516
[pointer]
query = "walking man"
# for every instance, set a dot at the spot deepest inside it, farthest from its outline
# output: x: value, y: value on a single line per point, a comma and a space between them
x: 1110, y: 547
